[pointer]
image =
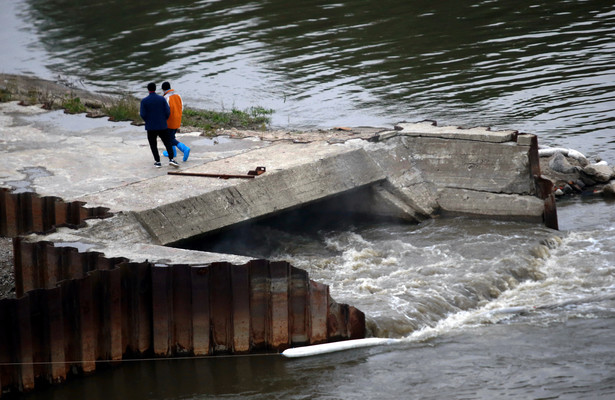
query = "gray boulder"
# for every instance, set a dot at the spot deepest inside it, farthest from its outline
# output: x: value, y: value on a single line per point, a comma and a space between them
x: 560, y: 164
x: 609, y: 189
x: 599, y: 172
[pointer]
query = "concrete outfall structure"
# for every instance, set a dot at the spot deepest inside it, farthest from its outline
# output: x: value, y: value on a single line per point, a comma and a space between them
x: 412, y: 172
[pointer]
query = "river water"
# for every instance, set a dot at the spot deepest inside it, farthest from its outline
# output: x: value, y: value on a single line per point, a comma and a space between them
x: 485, y: 309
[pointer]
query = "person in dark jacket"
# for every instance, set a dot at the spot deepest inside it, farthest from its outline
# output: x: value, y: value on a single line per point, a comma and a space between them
x: 155, y: 111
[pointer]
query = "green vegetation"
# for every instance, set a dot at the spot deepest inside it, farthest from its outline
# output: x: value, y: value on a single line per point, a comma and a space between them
x: 73, y: 105
x: 5, y: 95
x: 125, y: 108
x: 255, y: 118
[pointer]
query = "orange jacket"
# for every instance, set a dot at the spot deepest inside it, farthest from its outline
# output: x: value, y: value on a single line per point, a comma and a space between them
x: 177, y: 107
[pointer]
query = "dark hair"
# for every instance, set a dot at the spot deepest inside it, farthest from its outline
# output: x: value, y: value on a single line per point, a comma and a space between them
x: 166, y: 86
x: 151, y: 87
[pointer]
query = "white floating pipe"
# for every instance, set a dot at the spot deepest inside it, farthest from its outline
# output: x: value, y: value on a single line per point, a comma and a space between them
x: 325, y: 348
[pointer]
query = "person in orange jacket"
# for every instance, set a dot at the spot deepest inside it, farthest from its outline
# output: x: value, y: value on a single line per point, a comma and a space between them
x: 175, y: 119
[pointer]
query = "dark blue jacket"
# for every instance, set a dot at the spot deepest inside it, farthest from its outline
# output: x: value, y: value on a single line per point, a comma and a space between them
x: 155, y: 111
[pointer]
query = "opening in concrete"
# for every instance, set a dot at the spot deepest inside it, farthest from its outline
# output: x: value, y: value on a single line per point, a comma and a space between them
x: 264, y: 237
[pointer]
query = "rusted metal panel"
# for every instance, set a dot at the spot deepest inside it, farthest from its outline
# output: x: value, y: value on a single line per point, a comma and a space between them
x: 54, y: 329
x: 200, y: 310
x: 161, y: 309
x: 25, y: 263
x: 25, y: 347
x: 356, y: 323
x: 337, y: 321
x: 98, y: 322
x: 298, y: 306
x: 88, y: 335
x: 136, y: 307
x: 71, y: 325
x: 279, y: 272
x: 76, y: 263
x: 23, y: 215
x: 240, y: 284
x: 221, y: 300
x: 8, y: 213
x: 182, y: 310
x: 259, y: 303
x: 8, y: 345
x: 61, y: 211
x: 49, y: 213
x: 112, y: 291
x: 319, y: 308
x: 76, y: 215
x: 37, y: 213
x: 50, y: 265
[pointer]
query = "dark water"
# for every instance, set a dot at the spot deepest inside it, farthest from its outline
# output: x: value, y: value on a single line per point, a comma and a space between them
x: 484, y: 309
x: 545, y: 67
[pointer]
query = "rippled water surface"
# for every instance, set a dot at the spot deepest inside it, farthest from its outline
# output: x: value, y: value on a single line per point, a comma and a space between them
x: 484, y: 309
x: 545, y: 67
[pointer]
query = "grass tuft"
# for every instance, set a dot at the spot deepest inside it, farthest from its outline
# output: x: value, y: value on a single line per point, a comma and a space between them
x: 73, y: 105
x: 124, y: 108
x: 254, y: 118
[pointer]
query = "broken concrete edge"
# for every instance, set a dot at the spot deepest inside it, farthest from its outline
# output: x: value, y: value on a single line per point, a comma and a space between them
x: 429, y: 128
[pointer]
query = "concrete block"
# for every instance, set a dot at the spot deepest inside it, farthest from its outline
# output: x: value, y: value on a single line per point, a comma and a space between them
x: 272, y: 192
x: 469, y: 202
x: 525, y: 139
x: 430, y: 129
x: 486, y: 166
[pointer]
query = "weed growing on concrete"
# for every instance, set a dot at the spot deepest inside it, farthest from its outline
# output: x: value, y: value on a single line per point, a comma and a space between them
x: 125, y: 108
x: 209, y: 121
x: 73, y: 105
x: 5, y: 95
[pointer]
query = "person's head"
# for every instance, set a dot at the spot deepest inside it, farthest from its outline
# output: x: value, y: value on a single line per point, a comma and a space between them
x: 166, y: 86
x: 151, y: 87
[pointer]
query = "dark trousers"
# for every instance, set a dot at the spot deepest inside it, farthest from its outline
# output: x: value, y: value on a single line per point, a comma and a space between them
x: 172, y: 132
x: 153, y: 144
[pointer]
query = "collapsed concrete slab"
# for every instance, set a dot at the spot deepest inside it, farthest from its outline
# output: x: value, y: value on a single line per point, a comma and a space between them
x: 413, y: 172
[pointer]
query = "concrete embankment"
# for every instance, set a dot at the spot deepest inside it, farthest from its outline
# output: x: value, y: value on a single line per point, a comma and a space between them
x: 100, y: 206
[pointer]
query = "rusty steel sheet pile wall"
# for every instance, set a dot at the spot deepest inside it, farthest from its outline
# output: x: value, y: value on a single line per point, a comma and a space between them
x: 94, y: 309
x: 22, y: 213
